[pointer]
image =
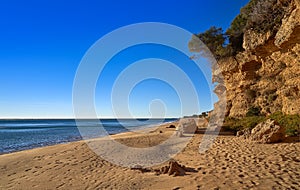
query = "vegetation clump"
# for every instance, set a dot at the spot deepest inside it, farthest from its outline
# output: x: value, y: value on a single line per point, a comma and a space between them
x: 253, y: 111
x: 291, y: 123
x: 237, y: 124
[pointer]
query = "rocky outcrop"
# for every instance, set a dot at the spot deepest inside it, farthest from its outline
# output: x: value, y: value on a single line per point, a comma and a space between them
x: 267, y: 73
x: 266, y: 132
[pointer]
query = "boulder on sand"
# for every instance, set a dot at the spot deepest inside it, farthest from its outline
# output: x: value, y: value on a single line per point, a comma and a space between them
x: 267, y: 132
x: 188, y: 125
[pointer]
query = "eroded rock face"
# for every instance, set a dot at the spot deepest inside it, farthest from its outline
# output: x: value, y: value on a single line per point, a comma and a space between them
x: 267, y: 73
x: 253, y: 39
x: 290, y: 25
x: 267, y: 132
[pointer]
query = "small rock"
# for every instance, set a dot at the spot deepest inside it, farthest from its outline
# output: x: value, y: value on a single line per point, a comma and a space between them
x: 164, y: 169
x: 176, y: 169
x: 173, y: 168
x: 172, y: 126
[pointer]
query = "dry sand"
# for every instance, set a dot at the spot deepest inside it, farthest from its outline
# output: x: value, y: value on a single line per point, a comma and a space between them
x: 231, y: 163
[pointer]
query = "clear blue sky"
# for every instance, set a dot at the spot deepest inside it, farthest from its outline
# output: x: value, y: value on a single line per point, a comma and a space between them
x: 42, y: 43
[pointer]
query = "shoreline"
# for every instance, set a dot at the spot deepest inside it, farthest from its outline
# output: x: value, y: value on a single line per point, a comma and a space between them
x: 142, y: 128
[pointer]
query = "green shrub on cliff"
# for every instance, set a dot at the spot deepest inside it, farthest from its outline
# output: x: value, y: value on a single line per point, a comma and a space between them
x: 237, y: 124
x: 260, y: 16
x: 267, y: 15
x: 236, y: 30
x: 291, y: 123
x: 214, y: 39
x: 253, y: 111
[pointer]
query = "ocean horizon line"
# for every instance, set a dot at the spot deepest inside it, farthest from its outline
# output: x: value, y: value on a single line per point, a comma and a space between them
x: 68, y: 118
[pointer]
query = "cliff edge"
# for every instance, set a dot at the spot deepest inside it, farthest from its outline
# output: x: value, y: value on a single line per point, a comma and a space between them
x: 266, y: 74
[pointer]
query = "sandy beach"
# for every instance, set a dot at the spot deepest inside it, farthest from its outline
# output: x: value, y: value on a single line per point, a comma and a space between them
x: 78, y: 77
x: 231, y: 163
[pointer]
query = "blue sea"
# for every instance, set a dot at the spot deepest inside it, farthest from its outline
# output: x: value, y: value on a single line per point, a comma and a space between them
x: 16, y: 135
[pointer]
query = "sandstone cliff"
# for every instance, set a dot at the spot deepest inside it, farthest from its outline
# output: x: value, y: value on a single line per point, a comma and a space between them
x: 267, y: 73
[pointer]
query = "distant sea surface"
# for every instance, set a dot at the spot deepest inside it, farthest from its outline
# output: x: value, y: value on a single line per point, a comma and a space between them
x: 16, y: 135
